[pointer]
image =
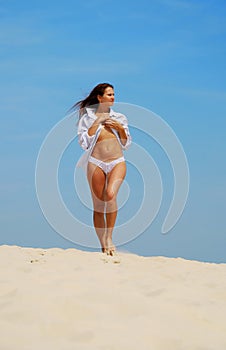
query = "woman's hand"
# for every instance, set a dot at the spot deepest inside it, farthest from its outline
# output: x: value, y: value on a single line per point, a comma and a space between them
x: 111, y: 123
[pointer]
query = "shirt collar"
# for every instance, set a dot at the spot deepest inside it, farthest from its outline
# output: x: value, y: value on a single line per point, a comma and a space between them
x: 91, y: 112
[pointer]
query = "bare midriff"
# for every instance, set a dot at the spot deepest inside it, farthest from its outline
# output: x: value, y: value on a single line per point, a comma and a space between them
x: 107, y: 147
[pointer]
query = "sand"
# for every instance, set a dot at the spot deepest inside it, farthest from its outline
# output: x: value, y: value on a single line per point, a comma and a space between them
x: 54, y: 299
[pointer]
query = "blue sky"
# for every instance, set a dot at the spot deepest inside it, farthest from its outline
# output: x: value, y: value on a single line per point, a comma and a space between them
x: 165, y: 55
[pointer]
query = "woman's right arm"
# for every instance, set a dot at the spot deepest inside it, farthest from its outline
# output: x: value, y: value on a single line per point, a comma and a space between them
x: 87, y: 129
x: 93, y: 128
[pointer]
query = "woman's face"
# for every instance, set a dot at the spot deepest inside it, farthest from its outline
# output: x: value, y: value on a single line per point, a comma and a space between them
x: 108, y: 97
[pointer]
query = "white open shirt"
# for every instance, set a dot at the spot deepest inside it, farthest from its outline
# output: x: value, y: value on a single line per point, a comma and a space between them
x: 87, y: 142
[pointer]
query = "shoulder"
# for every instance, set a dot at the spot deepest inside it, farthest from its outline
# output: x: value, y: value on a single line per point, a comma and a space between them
x: 118, y: 116
x: 90, y: 112
x: 87, y: 116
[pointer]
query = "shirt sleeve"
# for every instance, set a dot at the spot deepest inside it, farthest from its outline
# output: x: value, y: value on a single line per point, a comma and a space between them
x: 84, y: 139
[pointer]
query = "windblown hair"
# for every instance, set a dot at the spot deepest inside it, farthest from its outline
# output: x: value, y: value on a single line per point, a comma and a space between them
x: 91, y: 99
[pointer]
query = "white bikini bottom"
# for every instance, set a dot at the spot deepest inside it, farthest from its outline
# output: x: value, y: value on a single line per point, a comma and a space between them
x: 106, y: 166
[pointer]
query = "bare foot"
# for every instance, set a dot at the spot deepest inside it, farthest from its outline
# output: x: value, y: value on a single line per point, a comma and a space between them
x: 112, y: 251
x: 110, y: 247
x: 103, y: 243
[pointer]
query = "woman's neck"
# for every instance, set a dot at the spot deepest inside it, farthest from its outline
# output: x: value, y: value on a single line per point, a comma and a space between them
x: 102, y: 109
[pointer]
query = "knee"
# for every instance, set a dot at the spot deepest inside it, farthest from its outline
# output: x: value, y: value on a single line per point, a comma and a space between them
x: 109, y: 195
x: 98, y: 207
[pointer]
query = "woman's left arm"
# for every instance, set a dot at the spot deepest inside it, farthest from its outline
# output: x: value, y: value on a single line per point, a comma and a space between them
x: 122, y: 129
x: 122, y: 134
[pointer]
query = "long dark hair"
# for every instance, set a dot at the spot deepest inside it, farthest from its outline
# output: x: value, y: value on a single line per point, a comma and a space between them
x: 91, y: 99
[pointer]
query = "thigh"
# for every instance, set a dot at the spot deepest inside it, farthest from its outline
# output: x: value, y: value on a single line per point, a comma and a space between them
x: 97, y: 179
x: 116, y: 177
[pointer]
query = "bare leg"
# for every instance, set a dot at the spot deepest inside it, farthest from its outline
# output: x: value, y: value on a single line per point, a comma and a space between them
x: 114, y: 181
x: 110, y: 221
x: 97, y: 180
x: 99, y: 224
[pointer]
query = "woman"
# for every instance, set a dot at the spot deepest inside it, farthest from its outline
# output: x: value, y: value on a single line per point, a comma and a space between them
x: 103, y: 133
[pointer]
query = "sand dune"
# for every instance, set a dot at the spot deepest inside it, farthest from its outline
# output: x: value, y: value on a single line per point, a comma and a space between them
x: 69, y: 299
